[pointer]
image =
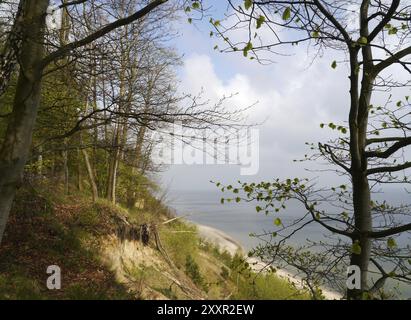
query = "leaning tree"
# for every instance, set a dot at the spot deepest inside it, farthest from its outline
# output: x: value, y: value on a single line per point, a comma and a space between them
x: 370, y: 152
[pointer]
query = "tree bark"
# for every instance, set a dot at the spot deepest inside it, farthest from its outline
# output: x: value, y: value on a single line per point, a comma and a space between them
x: 66, y: 175
x: 90, y: 173
x: 79, y: 175
x: 113, y: 166
x: 360, y: 102
x: 16, y: 145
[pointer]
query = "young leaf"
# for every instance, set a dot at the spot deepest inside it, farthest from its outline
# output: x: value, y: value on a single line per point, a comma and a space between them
x: 391, y: 243
x: 287, y: 14
x: 334, y: 64
x: 393, y: 31
x: 356, y: 248
x: 247, y: 48
x: 248, y: 4
x: 260, y: 21
x: 362, y: 41
x: 277, y: 222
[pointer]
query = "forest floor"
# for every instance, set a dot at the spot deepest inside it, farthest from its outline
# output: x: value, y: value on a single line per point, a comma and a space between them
x: 99, y: 250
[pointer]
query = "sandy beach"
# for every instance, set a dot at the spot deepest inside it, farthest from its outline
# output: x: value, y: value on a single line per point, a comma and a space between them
x: 225, y: 242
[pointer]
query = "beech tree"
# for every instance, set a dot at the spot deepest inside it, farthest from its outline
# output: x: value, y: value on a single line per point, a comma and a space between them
x: 366, y: 154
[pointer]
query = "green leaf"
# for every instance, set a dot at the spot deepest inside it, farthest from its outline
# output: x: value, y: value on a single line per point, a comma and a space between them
x: 393, y: 31
x: 248, y: 4
x: 287, y: 14
x: 258, y: 208
x: 237, y: 199
x: 247, y: 48
x: 196, y: 5
x: 362, y: 41
x: 356, y: 248
x: 277, y: 222
x: 260, y: 21
x: 391, y: 243
x: 315, y: 34
x: 189, y: 20
x: 334, y: 64
x: 222, y: 200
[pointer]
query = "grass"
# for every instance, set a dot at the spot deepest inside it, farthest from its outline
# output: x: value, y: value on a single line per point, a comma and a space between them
x: 19, y: 287
x: 180, y: 241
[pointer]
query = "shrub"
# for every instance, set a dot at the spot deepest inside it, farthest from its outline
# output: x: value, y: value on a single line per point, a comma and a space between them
x: 193, y: 271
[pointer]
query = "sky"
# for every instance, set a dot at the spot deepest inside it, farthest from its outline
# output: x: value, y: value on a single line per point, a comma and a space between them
x: 292, y: 96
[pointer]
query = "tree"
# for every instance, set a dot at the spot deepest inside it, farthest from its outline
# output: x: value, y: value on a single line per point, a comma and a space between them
x: 116, y: 80
x: 367, y: 157
x: 15, y: 147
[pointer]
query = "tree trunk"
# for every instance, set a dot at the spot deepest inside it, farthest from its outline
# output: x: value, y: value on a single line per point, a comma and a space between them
x: 132, y: 192
x: 16, y: 145
x: 79, y: 175
x: 65, y: 168
x: 10, y: 50
x: 113, y: 166
x: 363, y: 223
x: 90, y: 174
x: 360, y: 102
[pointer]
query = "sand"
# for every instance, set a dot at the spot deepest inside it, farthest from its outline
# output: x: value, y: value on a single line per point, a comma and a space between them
x: 225, y: 242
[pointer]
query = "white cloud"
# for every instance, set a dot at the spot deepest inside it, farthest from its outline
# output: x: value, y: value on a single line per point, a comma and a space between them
x: 294, y: 96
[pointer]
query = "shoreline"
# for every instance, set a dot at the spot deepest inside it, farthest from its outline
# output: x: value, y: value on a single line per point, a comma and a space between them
x: 232, y: 246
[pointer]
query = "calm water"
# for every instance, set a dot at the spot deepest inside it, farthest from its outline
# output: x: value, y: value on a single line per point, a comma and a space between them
x: 240, y: 219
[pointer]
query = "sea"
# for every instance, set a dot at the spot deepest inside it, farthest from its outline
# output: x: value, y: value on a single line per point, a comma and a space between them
x: 241, y: 220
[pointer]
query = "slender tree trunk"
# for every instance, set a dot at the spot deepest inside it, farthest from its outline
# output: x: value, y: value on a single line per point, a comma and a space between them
x: 66, y: 176
x: 11, y: 48
x: 90, y: 174
x: 132, y: 192
x: 16, y: 145
x: 360, y: 102
x: 40, y: 162
x: 79, y: 175
x: 113, y: 166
